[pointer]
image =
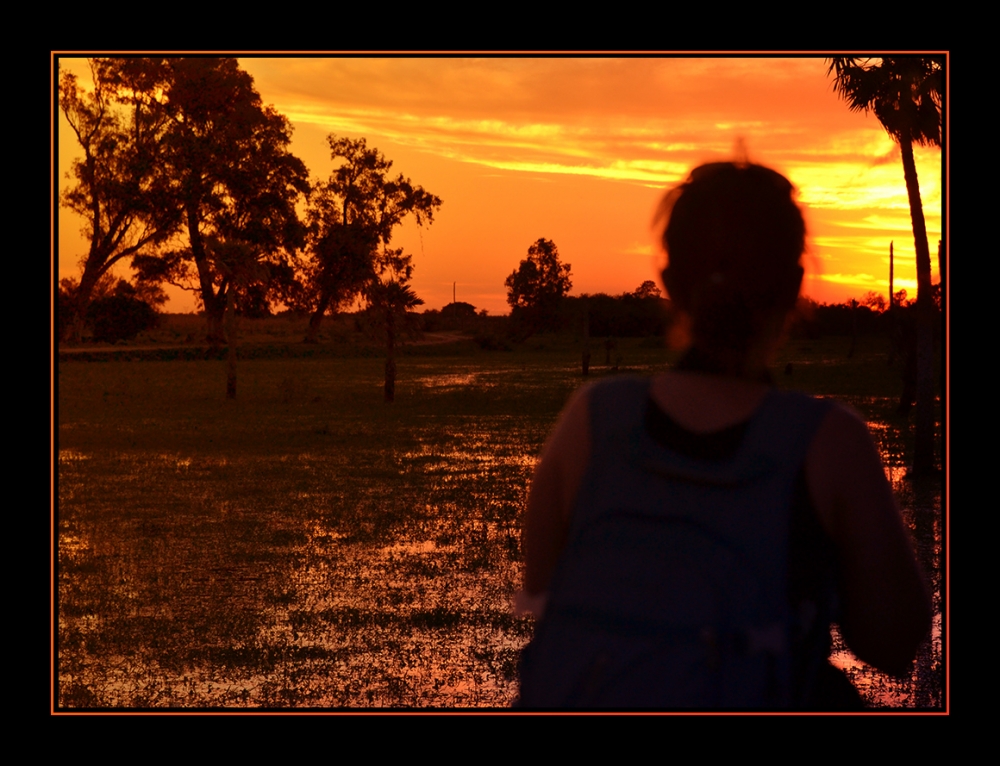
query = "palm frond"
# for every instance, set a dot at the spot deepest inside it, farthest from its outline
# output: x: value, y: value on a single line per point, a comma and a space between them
x: 904, y: 93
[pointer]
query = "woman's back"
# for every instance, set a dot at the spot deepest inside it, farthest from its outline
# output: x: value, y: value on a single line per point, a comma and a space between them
x: 600, y: 524
x: 608, y: 531
x: 671, y: 590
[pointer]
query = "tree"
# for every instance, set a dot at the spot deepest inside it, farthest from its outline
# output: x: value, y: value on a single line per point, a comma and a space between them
x: 352, y: 217
x: 389, y: 301
x: 121, y: 188
x: 237, y: 262
x: 237, y: 186
x: 874, y: 301
x: 647, y: 289
x: 905, y: 93
x: 536, y: 288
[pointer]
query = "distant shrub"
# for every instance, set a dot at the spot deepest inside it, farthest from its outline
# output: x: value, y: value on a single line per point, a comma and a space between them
x: 253, y: 302
x: 454, y: 316
x: 490, y: 342
x: 813, y: 320
x: 120, y: 317
x: 459, y: 310
x: 630, y: 315
x: 430, y: 320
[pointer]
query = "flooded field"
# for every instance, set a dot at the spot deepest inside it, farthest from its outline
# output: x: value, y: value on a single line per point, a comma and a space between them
x: 920, y: 503
x: 308, y: 546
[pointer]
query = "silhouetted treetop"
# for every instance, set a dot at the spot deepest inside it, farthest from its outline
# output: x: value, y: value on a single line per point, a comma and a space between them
x: 352, y: 218
x: 647, y: 289
x: 540, y: 280
x: 121, y: 188
x: 183, y: 143
x: 903, y: 92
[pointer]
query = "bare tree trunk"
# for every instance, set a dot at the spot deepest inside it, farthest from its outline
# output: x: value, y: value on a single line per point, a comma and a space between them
x: 214, y: 302
x: 923, y: 456
x: 81, y: 302
x: 216, y: 326
x: 611, y: 356
x: 390, y: 360
x: 74, y: 329
x: 312, y: 333
x: 231, y: 339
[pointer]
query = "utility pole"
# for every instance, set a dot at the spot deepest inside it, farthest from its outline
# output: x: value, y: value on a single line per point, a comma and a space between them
x: 890, y: 275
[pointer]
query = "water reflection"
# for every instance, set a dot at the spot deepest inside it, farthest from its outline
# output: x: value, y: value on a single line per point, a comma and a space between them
x: 920, y: 503
x: 374, y: 569
x: 295, y: 579
x: 451, y: 380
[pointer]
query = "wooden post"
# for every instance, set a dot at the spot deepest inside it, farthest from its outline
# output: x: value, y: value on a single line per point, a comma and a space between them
x: 390, y: 358
x: 230, y: 326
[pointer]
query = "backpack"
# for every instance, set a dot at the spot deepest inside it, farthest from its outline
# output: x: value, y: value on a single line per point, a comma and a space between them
x: 672, y: 590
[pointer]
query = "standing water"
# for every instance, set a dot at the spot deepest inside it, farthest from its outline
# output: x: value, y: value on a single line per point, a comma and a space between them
x: 308, y: 546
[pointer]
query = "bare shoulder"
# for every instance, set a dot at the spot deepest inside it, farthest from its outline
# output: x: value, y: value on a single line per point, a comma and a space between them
x: 843, y: 462
x: 571, y: 435
x: 553, y: 490
x: 842, y: 427
x: 885, y: 600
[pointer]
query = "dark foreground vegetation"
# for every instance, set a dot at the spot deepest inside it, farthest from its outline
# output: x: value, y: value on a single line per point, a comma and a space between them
x: 307, y: 545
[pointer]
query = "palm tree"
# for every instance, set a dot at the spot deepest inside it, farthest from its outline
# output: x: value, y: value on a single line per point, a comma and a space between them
x: 390, y: 300
x: 905, y: 93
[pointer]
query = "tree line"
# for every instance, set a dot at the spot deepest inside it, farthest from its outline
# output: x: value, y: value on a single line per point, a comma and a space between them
x: 187, y: 176
x: 537, y: 292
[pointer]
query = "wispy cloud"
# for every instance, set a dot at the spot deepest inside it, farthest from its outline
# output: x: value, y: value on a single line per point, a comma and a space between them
x: 640, y: 123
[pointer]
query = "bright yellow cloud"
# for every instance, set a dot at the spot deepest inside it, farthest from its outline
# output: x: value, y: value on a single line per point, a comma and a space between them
x: 867, y: 280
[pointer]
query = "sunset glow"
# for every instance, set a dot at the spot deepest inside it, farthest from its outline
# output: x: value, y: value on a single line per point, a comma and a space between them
x: 579, y: 150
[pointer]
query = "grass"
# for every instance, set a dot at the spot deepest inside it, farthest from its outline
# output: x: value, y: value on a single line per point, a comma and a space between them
x: 307, y: 545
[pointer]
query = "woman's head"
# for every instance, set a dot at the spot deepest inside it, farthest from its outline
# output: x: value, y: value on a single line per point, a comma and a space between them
x: 734, y: 237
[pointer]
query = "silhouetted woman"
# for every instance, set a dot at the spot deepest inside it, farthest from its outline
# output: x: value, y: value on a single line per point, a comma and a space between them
x: 690, y: 537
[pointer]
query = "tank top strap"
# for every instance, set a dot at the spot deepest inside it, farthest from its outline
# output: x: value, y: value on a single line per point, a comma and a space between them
x: 777, y: 435
x: 617, y: 408
x: 785, y: 423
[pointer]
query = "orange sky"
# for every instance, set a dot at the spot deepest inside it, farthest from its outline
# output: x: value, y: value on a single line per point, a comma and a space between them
x: 579, y: 150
